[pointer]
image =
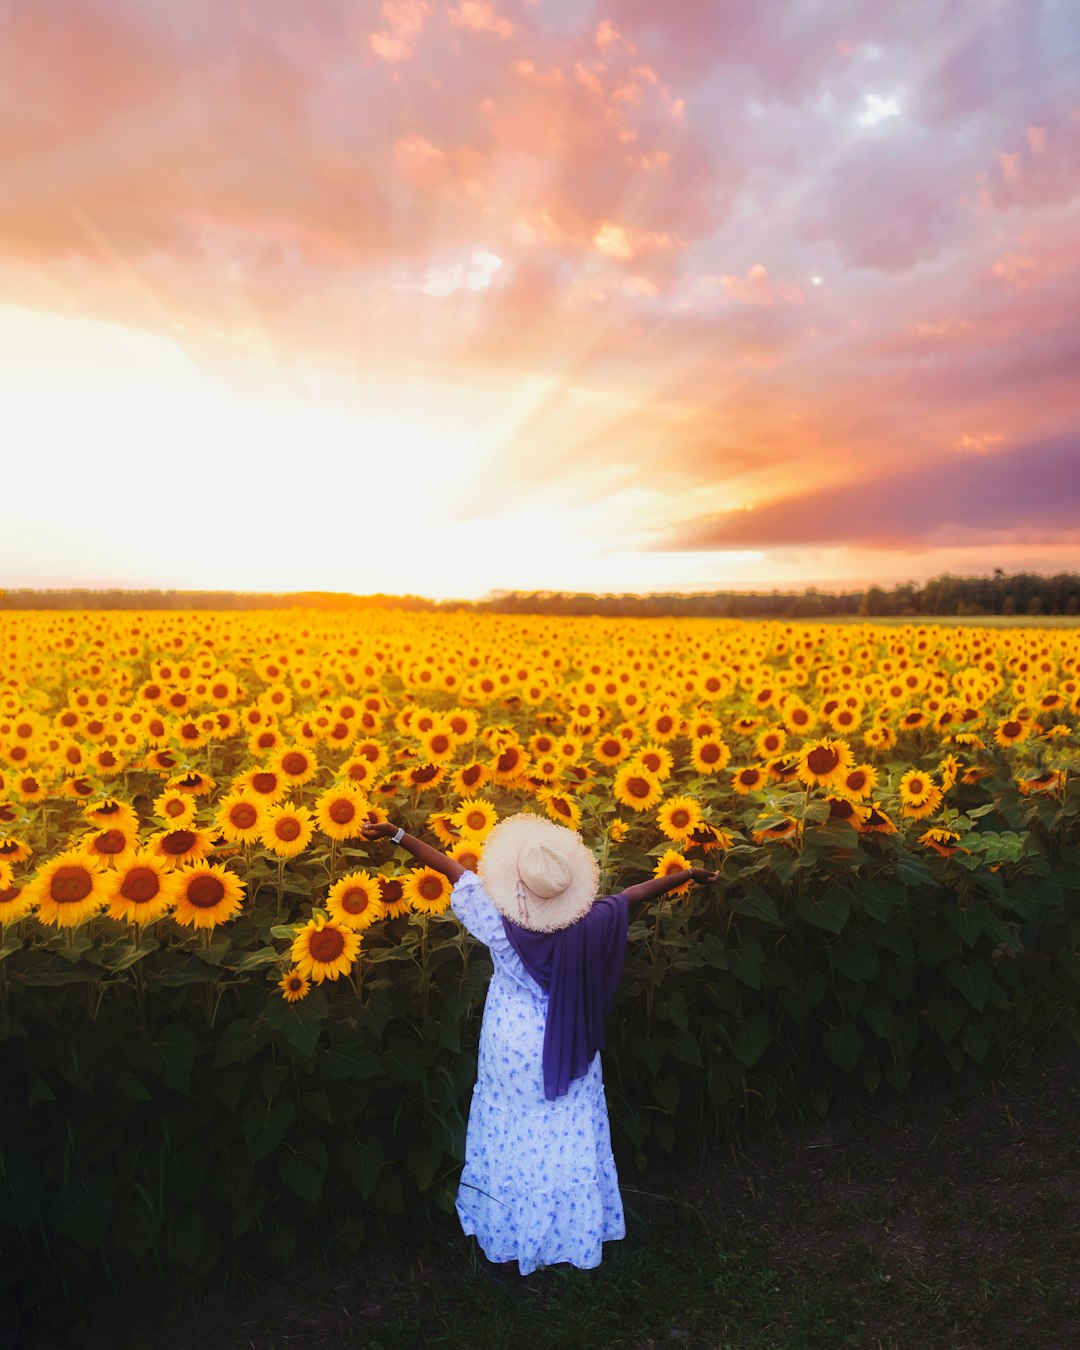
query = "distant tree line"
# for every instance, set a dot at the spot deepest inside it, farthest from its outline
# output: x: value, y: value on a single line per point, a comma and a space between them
x: 1024, y: 593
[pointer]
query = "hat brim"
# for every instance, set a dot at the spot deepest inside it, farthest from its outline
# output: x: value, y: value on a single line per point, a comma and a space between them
x: 498, y: 871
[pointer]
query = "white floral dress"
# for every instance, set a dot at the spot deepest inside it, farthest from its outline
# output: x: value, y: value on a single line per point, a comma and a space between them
x: 539, y: 1184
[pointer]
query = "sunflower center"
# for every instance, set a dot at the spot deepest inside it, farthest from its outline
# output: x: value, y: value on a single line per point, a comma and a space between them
x: 140, y: 884
x: 178, y: 841
x: 355, y: 900
x: 748, y: 776
x: 916, y: 786
x: 425, y: 773
x: 205, y: 891
x: 176, y: 807
x: 1011, y: 729
x: 710, y: 753
x: 326, y: 944
x: 680, y: 818
x: 856, y: 781
x: 70, y: 884
x: 475, y: 820
x: 430, y: 888
x: 264, y: 782
x: 294, y: 763
x: 611, y: 747
x: 391, y: 891
x: 243, y: 815
x: 342, y: 811
x: 822, y: 761
x: 507, y: 760
x: 440, y: 743
x: 288, y: 829
x: 637, y: 787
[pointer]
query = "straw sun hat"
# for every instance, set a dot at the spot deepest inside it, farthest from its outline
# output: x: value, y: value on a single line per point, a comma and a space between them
x: 541, y: 875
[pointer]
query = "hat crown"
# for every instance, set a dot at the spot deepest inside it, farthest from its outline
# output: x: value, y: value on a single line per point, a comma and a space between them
x: 544, y: 870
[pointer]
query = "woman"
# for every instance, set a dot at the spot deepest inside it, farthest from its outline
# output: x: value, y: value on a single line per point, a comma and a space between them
x: 539, y: 1184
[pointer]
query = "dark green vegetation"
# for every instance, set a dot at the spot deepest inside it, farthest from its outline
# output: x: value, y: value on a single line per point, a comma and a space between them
x: 167, y: 1119
x: 1023, y: 595
x: 946, y: 1218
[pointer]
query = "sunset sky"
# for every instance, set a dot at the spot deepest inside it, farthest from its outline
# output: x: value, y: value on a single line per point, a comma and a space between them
x: 447, y: 296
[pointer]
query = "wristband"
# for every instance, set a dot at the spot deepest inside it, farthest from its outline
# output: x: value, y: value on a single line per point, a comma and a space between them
x: 397, y: 838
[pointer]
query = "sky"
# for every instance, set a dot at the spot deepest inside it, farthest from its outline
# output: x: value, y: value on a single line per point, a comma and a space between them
x: 452, y: 296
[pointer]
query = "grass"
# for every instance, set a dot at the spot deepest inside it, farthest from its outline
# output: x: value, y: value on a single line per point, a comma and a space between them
x: 947, y: 1218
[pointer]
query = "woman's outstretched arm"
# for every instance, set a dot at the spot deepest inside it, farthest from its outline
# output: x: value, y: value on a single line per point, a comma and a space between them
x: 423, y: 853
x: 645, y: 891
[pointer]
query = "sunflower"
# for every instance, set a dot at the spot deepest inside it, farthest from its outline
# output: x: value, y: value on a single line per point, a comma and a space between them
x: 438, y: 745
x: 658, y: 759
x: 240, y: 818
x: 844, y: 720
x: 467, y: 853
x: 859, y: 781
x: 324, y: 949
x: 29, y: 788
x: 880, y: 738
x: 15, y: 901
x: 750, y: 778
x: 709, y: 754
x: 294, y: 986
x: 678, y: 817
x: 470, y: 778
x: 919, y: 796
x: 636, y: 787
x: 427, y: 891
x: 948, y: 768
x: 509, y: 765
x: 112, y: 844
x: 664, y: 725
x: 845, y: 808
x: 424, y: 777
x: 109, y: 811
x: 709, y: 837
x: 568, y: 749
x: 193, y: 783
x: 617, y: 830
x: 340, y: 811
x: 266, y: 784
x: 372, y: 752
x: 1043, y: 782
x: 798, y: 717
x: 356, y: 900
x: 392, y: 892
x: 296, y: 764
x: 288, y: 830
x: 14, y: 850
x: 940, y: 840
x: 669, y: 862
x: 969, y: 740
x: 177, y: 847
x: 783, y: 832
x: 475, y: 817
x: 560, y: 807
x: 769, y: 743
x: 916, y: 788
x: 68, y: 888
x: 784, y: 768
x: 141, y: 889
x: 1011, y: 731
x: 824, y: 762
x: 611, y: 749
x: 207, y: 894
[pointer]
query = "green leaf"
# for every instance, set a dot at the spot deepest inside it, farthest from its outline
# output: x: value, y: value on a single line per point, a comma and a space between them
x: 239, y: 1042
x: 756, y: 904
x: 843, y: 1044
x: 829, y: 911
x: 422, y: 1161
x: 266, y: 1124
x: 265, y: 956
x: 303, y: 1169
x: 362, y: 1162
x: 348, y: 1060
x: 171, y: 1055
x: 973, y: 981
x: 751, y: 1038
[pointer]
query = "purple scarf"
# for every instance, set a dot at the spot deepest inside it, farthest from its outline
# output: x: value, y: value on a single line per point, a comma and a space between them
x: 579, y: 969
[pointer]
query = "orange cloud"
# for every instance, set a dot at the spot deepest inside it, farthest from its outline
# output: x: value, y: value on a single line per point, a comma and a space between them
x: 758, y: 288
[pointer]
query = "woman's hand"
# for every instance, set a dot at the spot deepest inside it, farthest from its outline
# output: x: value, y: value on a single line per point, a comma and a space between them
x: 377, y: 829
x: 705, y: 878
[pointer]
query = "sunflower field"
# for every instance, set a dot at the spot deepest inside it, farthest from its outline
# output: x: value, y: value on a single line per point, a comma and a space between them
x: 233, y: 1030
